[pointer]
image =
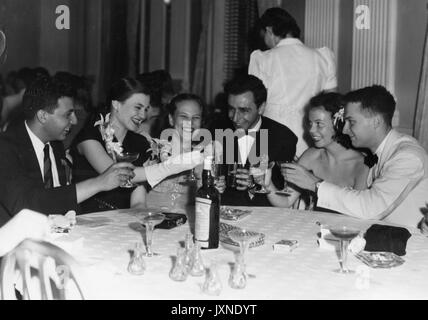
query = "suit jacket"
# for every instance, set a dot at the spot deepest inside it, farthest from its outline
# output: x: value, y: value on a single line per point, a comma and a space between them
x: 21, y: 182
x: 281, y: 145
x: 398, y: 185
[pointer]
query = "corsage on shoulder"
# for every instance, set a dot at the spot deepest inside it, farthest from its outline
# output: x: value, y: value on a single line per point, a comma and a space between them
x: 107, y: 133
x: 161, y: 150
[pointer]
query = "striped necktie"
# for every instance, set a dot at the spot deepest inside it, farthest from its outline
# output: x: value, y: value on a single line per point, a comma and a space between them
x: 47, y: 168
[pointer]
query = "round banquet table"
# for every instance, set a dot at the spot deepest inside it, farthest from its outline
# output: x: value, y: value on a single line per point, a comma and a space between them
x: 102, y: 243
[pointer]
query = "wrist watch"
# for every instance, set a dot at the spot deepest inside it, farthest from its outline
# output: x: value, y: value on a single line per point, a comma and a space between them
x: 317, y: 185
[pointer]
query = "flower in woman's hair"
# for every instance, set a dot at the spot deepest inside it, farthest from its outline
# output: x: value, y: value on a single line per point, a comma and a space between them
x: 339, y: 116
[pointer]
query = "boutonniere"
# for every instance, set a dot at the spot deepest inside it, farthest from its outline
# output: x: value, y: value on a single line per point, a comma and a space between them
x: 160, y: 150
x: 107, y: 133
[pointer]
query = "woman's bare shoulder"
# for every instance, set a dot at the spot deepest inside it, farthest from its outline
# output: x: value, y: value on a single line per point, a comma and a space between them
x: 309, y: 156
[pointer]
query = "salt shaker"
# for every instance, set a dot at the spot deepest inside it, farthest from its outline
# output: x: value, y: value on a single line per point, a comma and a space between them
x: 137, y: 266
x: 179, y: 272
x: 212, y: 284
x: 238, y: 278
x: 197, y: 268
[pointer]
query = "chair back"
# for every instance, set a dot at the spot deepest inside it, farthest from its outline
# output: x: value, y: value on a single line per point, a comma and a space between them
x: 40, y: 270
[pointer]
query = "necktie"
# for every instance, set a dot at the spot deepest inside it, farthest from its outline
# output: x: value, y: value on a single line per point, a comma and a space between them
x: 47, y: 168
x: 370, y: 160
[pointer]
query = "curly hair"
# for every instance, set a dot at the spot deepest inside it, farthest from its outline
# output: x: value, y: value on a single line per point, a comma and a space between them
x: 332, y: 102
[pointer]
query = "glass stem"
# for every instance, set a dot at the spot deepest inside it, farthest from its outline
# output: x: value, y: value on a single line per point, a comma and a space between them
x: 344, y: 255
x: 149, y: 237
x: 243, y: 249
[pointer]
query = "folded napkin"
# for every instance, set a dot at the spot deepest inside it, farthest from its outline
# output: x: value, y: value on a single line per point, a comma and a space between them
x: 387, y: 238
x: 62, y: 224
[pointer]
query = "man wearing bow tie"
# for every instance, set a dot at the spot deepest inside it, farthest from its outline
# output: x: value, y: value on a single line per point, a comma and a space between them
x: 398, y: 179
x: 246, y: 96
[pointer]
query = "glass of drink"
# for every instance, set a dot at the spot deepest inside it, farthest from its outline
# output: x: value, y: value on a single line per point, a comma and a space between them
x: 285, y: 191
x: 151, y: 220
x: 244, y: 238
x: 345, y: 235
x: 127, y: 157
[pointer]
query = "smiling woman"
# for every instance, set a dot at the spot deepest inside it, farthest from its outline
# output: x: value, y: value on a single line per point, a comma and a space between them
x: 129, y: 101
x: 331, y: 159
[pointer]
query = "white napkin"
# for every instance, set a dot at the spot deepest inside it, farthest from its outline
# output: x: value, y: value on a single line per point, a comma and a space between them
x: 62, y: 223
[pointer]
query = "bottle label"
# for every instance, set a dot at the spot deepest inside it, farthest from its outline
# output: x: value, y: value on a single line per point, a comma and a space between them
x: 202, y: 221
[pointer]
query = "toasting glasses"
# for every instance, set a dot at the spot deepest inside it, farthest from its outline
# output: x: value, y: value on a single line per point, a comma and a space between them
x: 127, y: 157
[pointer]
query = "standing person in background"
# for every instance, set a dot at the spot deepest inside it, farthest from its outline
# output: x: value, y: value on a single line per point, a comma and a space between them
x: 291, y: 71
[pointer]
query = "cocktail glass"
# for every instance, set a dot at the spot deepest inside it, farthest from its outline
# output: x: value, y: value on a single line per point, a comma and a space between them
x: 345, y: 235
x: 151, y: 220
x: 127, y: 157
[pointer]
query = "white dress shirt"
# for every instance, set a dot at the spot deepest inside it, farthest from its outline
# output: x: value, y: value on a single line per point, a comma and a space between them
x: 245, y: 143
x: 293, y: 73
x: 38, y: 146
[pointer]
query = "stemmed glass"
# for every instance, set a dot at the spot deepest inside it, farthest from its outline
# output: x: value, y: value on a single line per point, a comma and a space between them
x: 285, y: 191
x: 244, y: 238
x: 258, y: 172
x: 345, y: 235
x: 151, y: 220
x: 127, y: 157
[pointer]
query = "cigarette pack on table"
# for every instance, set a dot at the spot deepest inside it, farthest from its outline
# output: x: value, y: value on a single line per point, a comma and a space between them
x: 285, y: 245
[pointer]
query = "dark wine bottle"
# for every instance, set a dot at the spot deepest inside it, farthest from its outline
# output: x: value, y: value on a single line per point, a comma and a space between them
x: 207, y: 209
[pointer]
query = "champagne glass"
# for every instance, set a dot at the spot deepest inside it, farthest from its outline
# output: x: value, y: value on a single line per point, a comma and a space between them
x: 285, y: 191
x: 151, y: 220
x: 345, y: 235
x: 244, y: 238
x: 127, y: 157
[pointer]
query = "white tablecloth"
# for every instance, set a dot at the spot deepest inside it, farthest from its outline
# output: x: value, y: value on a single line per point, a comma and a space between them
x: 306, y: 273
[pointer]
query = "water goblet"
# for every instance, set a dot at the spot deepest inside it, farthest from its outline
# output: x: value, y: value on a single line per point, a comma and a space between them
x: 345, y: 235
x: 243, y: 238
x: 285, y: 191
x: 151, y: 220
x: 127, y: 157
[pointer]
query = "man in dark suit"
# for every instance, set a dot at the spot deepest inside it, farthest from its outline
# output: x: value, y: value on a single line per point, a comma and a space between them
x: 247, y: 98
x: 33, y: 164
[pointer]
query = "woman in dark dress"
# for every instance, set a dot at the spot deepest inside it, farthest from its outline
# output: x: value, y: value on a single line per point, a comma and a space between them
x: 129, y: 103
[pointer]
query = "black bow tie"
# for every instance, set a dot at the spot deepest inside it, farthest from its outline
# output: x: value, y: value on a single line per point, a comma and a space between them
x: 370, y: 160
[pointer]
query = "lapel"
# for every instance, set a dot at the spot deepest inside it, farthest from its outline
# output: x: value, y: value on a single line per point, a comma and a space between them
x: 26, y: 152
x: 384, y: 155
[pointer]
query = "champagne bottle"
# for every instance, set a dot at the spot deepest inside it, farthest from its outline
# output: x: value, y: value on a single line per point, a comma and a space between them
x: 207, y: 209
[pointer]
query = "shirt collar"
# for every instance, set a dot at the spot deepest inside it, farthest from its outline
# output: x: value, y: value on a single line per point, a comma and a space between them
x: 35, y: 140
x: 287, y: 41
x: 257, y: 126
x: 382, y: 145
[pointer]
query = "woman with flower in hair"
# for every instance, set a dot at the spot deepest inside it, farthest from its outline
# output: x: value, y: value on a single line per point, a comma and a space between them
x: 331, y: 158
x: 107, y: 137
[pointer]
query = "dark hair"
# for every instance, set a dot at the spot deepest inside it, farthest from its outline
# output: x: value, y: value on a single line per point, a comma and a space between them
x: 245, y: 83
x: 332, y: 102
x: 172, y: 105
x: 160, y: 84
x: 82, y: 86
x: 375, y: 100
x: 43, y: 93
x: 281, y: 21
x: 124, y: 88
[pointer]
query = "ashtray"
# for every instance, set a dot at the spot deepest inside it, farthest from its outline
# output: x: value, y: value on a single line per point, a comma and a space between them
x: 232, y: 214
x: 259, y: 238
x: 380, y: 259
